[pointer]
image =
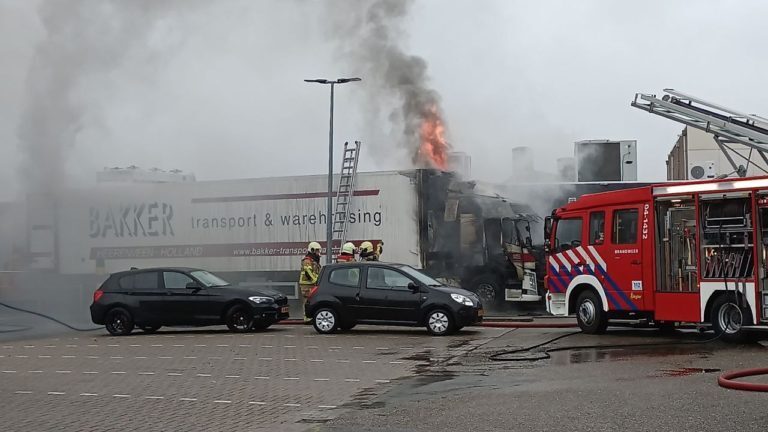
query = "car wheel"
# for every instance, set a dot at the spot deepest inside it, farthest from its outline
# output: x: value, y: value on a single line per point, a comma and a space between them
x: 149, y: 329
x: 728, y: 319
x: 239, y: 318
x: 487, y: 288
x: 260, y: 325
x: 326, y: 321
x: 119, y: 322
x: 590, y: 315
x: 440, y: 323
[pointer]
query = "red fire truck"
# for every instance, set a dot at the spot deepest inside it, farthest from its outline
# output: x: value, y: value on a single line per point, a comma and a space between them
x: 689, y: 252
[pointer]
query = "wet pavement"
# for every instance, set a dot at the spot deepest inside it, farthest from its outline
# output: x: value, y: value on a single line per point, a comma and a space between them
x: 669, y: 386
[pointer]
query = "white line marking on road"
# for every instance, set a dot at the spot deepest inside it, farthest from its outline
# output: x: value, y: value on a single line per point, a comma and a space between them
x: 342, y: 361
x: 23, y: 392
x: 89, y: 394
x: 357, y: 347
x: 134, y: 345
x: 267, y: 346
x: 289, y: 336
x: 35, y: 371
x: 9, y: 371
x: 382, y: 348
x: 117, y: 373
x: 327, y: 406
x: 92, y: 357
x: 289, y: 346
x: 71, y: 346
x: 292, y: 405
x: 165, y: 357
x: 291, y: 379
x: 174, y: 374
x: 22, y: 356
x: 322, y: 379
x: 146, y: 373
x: 257, y: 403
x: 369, y: 361
x: 115, y: 357
x: 232, y: 376
x: 10, y: 347
x: 63, y: 371
x: 201, y: 345
x: 188, y: 399
x: 383, y: 381
x: 336, y: 347
x: 56, y: 393
x: 290, y: 359
x: 93, y: 346
x: 222, y: 401
x: 157, y: 345
x: 68, y: 356
x: 244, y: 346
x: 47, y: 346
x: 222, y: 345
x: 190, y: 357
x: 177, y: 346
x: 90, y: 372
x: 113, y: 345
x: 215, y: 358
x: 352, y: 380
x: 313, y: 347
x: 43, y: 356
x: 203, y: 375
x: 121, y: 396
x: 239, y: 358
x: 29, y: 346
x: 261, y: 377
x: 265, y: 358
x: 317, y: 360
x: 140, y: 357
x: 154, y: 397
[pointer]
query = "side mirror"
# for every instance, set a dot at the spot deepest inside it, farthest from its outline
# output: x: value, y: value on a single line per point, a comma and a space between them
x: 413, y: 287
x: 194, y: 286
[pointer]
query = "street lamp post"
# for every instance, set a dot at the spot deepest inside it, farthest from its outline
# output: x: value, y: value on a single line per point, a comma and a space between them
x: 329, y: 218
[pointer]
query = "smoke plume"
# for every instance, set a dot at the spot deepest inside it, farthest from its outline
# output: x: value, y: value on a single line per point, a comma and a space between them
x: 371, y: 41
x: 84, y: 40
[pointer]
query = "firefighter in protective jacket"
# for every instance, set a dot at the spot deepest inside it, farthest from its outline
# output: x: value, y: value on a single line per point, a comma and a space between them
x: 347, y: 253
x: 367, y: 253
x: 310, y: 270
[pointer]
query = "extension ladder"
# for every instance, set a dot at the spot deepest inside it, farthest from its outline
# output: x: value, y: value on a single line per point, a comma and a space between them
x: 344, y: 194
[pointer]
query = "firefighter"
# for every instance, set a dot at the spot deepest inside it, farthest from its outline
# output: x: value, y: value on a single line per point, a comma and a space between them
x: 367, y: 253
x: 347, y: 253
x: 310, y: 270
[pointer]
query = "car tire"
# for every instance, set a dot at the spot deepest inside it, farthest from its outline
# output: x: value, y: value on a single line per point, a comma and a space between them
x: 149, y: 329
x: 325, y: 321
x: 488, y: 288
x: 728, y: 319
x: 239, y: 318
x: 260, y: 325
x: 118, y: 322
x: 590, y: 315
x: 440, y: 322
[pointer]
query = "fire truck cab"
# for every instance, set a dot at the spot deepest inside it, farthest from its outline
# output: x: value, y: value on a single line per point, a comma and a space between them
x: 692, y: 252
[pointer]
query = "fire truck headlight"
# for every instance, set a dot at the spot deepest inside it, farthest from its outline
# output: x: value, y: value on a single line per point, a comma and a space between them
x: 462, y: 299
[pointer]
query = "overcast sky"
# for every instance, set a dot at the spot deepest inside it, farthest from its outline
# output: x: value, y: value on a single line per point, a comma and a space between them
x: 215, y: 87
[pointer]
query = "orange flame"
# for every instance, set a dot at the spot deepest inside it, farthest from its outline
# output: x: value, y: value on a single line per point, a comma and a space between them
x: 433, y: 149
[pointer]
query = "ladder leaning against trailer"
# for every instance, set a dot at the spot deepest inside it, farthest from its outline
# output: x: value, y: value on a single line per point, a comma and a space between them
x: 344, y: 193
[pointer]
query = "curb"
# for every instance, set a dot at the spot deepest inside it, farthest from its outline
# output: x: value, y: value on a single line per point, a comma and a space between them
x: 490, y: 324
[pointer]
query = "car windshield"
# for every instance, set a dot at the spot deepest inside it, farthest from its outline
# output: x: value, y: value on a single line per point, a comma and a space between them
x: 210, y: 280
x: 421, y: 277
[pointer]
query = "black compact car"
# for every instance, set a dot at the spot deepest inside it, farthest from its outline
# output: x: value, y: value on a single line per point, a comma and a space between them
x: 151, y: 298
x: 390, y: 294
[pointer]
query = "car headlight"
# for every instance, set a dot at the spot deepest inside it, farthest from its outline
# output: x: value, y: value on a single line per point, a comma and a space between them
x: 259, y: 299
x: 462, y: 299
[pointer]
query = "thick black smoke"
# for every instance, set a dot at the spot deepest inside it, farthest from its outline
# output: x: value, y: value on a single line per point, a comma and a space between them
x: 370, y: 36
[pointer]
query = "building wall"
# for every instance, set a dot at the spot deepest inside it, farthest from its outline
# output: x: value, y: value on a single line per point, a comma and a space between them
x: 695, y: 147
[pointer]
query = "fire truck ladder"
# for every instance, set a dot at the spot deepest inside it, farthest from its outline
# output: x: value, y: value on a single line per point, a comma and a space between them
x: 728, y: 126
x: 345, y: 192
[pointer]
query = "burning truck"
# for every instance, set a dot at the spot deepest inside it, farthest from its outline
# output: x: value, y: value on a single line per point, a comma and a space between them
x: 255, y: 231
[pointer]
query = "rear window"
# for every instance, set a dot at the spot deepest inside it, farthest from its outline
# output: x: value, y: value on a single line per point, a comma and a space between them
x: 146, y: 281
x: 126, y: 282
x: 345, y: 276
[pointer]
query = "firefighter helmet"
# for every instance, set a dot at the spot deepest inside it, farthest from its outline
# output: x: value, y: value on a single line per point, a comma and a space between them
x: 366, y: 246
x: 314, y: 246
x: 348, y: 248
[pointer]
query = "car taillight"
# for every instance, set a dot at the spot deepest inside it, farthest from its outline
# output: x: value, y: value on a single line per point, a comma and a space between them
x: 97, y: 295
x: 312, y: 292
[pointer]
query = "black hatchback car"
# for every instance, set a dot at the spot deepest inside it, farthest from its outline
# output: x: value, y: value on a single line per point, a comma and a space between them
x: 175, y: 296
x: 390, y: 294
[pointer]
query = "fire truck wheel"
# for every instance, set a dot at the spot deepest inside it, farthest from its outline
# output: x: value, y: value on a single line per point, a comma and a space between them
x: 590, y: 315
x: 487, y: 288
x: 728, y: 319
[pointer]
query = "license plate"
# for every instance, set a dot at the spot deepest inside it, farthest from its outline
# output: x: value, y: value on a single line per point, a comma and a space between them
x: 284, y: 309
x: 480, y: 312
